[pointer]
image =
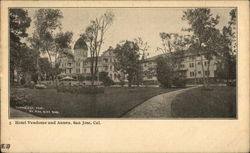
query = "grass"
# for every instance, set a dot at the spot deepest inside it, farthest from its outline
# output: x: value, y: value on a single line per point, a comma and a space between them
x: 218, y: 102
x: 113, y: 103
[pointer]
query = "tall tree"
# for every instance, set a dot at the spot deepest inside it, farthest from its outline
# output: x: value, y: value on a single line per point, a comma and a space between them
x: 127, y: 56
x: 201, y: 23
x: 213, y: 47
x: 45, y: 67
x: 143, y: 48
x: 226, y: 68
x: 173, y: 46
x: 172, y: 42
x: 143, y: 51
x: 47, y: 21
x: 94, y: 37
x: 168, y: 65
x: 18, y: 22
x: 62, y: 42
x: 28, y: 63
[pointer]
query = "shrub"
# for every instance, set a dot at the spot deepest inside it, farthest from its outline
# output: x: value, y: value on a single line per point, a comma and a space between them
x: 179, y: 82
x: 30, y: 85
x: 164, y: 72
x: 22, y: 81
x: 105, y: 79
x: 20, y: 98
x: 81, y: 89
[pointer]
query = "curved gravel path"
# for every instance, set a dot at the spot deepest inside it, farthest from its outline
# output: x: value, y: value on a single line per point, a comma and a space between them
x: 156, y: 107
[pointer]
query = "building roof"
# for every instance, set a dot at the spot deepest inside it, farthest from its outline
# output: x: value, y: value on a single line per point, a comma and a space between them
x: 153, y: 58
x: 187, y: 53
x: 80, y: 44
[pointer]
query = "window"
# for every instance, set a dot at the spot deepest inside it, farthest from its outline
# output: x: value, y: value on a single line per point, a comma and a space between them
x: 199, y: 72
x: 69, y: 64
x: 106, y: 60
x: 111, y: 75
x: 191, y: 74
x: 111, y: 67
x: 199, y: 63
x: 205, y: 63
x: 115, y: 76
x: 191, y: 64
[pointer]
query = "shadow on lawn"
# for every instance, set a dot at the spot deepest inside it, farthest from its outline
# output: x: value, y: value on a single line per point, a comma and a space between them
x: 113, y: 103
x: 215, y: 102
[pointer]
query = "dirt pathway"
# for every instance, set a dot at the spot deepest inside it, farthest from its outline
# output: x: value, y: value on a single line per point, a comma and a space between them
x: 156, y: 107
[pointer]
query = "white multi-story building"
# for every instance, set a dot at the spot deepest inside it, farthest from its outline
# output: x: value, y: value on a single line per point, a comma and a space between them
x: 191, y: 67
x: 77, y: 62
x: 67, y: 62
x: 105, y: 64
x: 73, y: 63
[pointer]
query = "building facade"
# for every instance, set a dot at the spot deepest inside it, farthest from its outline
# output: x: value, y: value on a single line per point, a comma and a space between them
x: 191, y: 67
x: 77, y: 62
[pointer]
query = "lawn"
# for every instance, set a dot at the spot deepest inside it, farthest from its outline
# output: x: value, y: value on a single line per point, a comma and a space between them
x: 219, y: 102
x: 113, y: 103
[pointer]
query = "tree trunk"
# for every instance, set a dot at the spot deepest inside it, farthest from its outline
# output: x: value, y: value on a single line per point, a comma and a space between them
x: 27, y: 77
x: 130, y: 79
x: 129, y: 83
x: 203, y: 72
x: 92, y: 71
x: 96, y: 66
x: 208, y: 71
x: 49, y: 58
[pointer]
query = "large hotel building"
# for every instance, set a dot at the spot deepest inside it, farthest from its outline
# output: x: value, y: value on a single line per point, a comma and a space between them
x: 77, y: 62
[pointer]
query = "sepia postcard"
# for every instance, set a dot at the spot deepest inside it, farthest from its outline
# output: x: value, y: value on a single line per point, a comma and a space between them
x: 124, y: 76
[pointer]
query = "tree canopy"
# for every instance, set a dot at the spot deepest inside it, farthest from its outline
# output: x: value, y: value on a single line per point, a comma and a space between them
x: 19, y: 22
x: 47, y: 21
x: 94, y: 37
x: 127, y: 55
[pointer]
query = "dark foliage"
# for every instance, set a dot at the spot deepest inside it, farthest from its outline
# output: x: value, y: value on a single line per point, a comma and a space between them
x: 103, y: 76
x: 127, y: 56
x: 20, y: 98
x: 81, y: 89
x: 179, y: 82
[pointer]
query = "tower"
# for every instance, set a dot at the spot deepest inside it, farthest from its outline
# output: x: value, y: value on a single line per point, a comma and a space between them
x: 81, y: 54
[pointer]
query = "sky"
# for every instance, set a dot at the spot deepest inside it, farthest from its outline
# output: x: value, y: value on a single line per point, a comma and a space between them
x: 130, y: 23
